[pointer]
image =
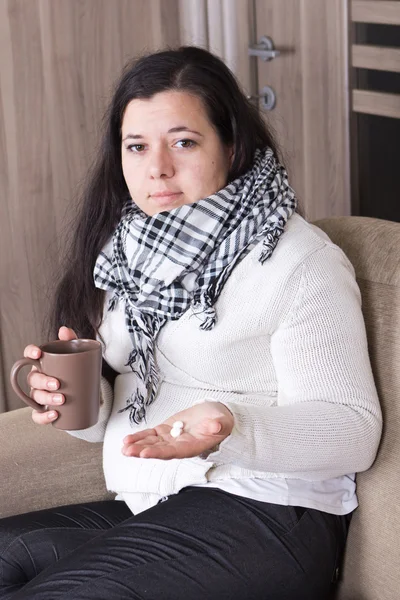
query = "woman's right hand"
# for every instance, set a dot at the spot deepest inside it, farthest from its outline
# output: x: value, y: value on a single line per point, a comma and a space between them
x: 44, y: 387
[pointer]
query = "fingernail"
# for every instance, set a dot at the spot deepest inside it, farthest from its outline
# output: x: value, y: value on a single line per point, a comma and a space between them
x: 52, y: 415
x: 57, y: 398
x: 52, y: 385
x: 36, y: 353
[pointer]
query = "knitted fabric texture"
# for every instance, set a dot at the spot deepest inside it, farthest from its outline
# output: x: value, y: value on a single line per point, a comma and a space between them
x: 164, y: 264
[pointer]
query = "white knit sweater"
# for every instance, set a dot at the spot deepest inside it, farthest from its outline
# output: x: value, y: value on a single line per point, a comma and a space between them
x: 288, y: 356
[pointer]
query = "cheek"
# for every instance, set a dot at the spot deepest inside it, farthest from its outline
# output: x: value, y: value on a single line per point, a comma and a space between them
x: 209, y: 176
x: 132, y: 177
x: 216, y: 175
x: 125, y: 172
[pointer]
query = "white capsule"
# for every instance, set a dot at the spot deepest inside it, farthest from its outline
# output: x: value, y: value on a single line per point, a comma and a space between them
x: 176, y: 432
x: 178, y: 425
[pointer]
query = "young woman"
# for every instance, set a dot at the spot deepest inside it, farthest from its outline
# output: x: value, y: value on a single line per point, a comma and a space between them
x: 242, y: 402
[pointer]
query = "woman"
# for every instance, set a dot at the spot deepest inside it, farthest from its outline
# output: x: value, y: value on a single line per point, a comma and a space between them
x: 243, y: 402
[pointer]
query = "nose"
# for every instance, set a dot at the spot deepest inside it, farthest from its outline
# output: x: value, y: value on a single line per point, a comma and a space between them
x: 161, y: 163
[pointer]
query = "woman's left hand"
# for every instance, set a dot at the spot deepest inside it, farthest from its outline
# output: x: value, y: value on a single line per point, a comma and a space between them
x: 204, y: 426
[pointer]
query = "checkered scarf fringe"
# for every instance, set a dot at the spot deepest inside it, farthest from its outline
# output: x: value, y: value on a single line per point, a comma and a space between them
x: 161, y: 266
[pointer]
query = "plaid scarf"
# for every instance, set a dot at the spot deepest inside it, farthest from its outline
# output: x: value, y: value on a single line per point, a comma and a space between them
x: 161, y: 266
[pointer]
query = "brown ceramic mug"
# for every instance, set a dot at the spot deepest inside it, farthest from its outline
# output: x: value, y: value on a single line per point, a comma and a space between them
x: 77, y: 366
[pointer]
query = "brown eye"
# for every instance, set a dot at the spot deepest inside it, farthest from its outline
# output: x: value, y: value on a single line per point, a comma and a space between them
x: 186, y: 143
x: 135, y: 147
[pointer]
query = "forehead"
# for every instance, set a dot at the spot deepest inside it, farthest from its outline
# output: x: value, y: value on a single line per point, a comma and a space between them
x: 165, y: 109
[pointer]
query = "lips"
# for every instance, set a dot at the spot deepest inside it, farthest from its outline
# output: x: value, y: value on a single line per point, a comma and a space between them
x: 164, y: 194
x: 165, y: 198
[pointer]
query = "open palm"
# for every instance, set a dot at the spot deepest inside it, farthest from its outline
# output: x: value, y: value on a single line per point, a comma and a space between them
x: 205, y: 426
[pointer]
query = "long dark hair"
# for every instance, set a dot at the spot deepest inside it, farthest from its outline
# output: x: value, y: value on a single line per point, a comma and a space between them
x: 78, y: 304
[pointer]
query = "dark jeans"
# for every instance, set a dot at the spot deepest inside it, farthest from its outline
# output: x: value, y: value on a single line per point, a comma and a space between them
x: 199, y: 544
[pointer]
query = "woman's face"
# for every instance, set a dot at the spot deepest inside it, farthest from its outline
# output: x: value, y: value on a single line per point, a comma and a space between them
x: 171, y: 152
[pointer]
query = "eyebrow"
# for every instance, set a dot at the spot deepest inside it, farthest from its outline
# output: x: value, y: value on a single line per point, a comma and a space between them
x: 131, y: 136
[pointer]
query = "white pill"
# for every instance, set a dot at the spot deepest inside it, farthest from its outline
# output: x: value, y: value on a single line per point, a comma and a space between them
x: 178, y: 425
x: 176, y: 432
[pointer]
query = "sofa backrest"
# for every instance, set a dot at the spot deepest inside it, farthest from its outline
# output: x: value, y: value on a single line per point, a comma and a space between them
x: 371, y: 569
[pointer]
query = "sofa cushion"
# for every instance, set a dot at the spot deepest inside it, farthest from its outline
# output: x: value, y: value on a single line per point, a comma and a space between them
x: 42, y: 467
x: 371, y: 565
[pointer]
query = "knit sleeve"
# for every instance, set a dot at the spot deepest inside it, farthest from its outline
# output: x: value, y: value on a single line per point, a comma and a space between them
x: 327, y: 419
x: 97, y: 431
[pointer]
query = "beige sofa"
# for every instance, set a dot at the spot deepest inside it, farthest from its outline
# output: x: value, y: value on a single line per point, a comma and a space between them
x: 42, y: 467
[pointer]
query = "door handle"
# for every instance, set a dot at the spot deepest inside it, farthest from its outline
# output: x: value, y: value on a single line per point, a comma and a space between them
x: 268, y: 98
x: 265, y: 49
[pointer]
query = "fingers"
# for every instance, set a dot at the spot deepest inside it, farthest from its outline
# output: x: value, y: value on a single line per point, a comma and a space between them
x: 66, y: 334
x: 166, y: 452
x: 32, y: 351
x: 162, y: 450
x: 46, y: 398
x: 40, y: 381
x: 135, y: 449
x: 44, y: 418
x: 141, y: 435
x: 44, y: 388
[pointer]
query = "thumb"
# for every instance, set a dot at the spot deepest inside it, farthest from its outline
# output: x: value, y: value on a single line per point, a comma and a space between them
x: 211, y: 427
x: 66, y: 334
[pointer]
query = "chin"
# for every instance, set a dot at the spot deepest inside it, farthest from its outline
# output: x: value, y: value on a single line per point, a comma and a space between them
x: 156, y: 208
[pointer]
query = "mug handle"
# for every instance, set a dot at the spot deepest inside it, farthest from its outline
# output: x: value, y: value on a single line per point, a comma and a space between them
x: 15, y: 385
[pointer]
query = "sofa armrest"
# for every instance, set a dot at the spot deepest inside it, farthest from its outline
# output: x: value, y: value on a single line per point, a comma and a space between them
x: 42, y: 467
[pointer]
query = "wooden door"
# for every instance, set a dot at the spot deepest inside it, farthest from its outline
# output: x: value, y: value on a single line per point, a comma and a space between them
x: 309, y: 79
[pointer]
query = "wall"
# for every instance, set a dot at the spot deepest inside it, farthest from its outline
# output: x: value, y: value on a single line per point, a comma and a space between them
x: 58, y: 62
